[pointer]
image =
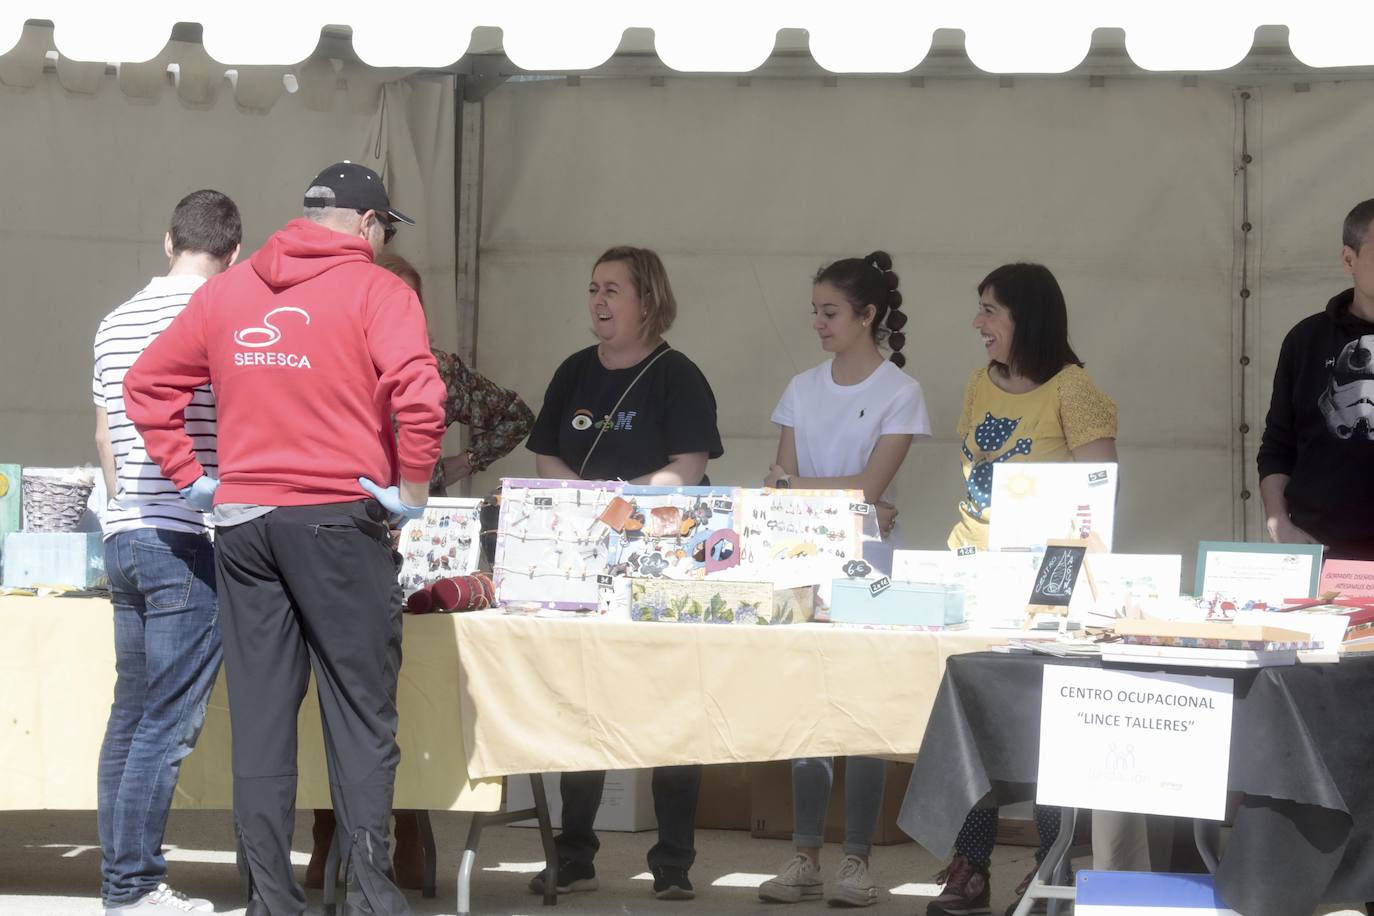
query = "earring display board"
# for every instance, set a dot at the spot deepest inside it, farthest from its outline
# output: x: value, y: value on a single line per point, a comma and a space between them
x: 672, y: 532
x: 799, y: 537
x: 1034, y: 503
x: 552, y: 542
x: 444, y: 542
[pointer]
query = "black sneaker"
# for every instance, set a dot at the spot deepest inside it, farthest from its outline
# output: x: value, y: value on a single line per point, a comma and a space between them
x: 671, y: 883
x: 572, y: 876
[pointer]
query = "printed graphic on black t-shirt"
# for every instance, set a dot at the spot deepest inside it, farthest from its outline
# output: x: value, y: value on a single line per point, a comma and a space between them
x: 670, y: 411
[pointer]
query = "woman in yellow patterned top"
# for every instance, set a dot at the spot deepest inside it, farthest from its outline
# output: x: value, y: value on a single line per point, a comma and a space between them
x: 1033, y: 402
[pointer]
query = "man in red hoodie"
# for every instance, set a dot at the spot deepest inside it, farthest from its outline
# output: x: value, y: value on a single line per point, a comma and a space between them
x: 311, y: 349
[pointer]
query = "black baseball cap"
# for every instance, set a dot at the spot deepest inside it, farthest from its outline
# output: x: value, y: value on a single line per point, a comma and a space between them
x: 355, y: 187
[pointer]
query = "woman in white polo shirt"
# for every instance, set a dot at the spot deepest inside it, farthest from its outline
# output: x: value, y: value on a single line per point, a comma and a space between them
x: 846, y: 424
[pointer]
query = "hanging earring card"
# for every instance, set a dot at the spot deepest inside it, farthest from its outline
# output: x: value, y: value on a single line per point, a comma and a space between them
x: 672, y: 532
x: 799, y: 537
x: 552, y: 542
x: 444, y: 542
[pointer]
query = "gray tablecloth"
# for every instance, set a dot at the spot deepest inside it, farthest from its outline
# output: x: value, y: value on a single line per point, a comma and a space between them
x: 1302, y: 752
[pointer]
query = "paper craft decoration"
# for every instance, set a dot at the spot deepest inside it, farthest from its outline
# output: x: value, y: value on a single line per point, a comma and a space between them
x: 1242, y: 577
x: 1056, y: 579
x: 717, y: 601
x: 798, y: 537
x: 552, y: 543
x: 1034, y: 503
x: 1123, y: 580
x: 442, y: 543
x: 673, y: 532
x: 1347, y: 578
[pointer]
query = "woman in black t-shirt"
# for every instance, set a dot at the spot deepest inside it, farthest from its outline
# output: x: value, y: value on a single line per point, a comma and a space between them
x: 629, y: 408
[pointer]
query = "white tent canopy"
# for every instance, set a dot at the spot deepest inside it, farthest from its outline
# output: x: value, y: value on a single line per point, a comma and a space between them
x: 860, y: 36
x: 1134, y: 189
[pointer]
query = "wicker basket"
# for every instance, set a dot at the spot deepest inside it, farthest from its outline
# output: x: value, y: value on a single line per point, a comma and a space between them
x: 55, y: 498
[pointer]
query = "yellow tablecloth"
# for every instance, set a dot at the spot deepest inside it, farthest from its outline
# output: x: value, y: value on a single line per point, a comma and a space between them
x: 57, y: 680
x: 542, y: 695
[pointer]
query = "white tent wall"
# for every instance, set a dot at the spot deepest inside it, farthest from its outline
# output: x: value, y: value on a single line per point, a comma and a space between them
x: 1311, y: 165
x: 1125, y: 191
x: 90, y: 180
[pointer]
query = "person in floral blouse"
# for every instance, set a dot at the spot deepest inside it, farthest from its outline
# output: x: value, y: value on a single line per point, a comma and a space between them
x: 498, y: 420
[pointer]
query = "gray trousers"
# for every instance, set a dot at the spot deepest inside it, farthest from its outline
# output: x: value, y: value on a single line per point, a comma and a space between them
x: 302, y: 588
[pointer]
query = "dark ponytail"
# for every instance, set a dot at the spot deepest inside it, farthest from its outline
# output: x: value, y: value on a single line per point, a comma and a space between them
x: 871, y: 281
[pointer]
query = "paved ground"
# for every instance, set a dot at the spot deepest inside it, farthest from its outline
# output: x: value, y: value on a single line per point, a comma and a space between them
x: 49, y: 865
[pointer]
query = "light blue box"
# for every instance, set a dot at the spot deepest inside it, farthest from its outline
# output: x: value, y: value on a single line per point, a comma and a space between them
x: 74, y: 560
x: 1114, y: 893
x: 907, y: 604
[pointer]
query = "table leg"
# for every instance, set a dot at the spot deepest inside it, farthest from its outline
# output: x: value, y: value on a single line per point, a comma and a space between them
x: 333, y: 864
x: 1207, y: 834
x: 1053, y: 869
x: 466, y: 863
x: 541, y: 807
x: 427, y: 888
x: 540, y: 812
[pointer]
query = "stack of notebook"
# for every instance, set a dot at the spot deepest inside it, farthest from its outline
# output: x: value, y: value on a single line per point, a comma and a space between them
x: 1204, y: 645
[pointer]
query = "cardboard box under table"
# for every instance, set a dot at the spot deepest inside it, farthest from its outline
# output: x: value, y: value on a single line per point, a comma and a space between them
x: 770, y: 802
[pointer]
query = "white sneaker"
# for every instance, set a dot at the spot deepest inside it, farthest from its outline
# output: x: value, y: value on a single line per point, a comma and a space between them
x: 801, y: 880
x: 851, y: 886
x: 164, y: 901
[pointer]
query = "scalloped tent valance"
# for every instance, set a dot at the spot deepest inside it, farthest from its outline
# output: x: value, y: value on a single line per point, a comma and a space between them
x: 186, y: 69
x: 860, y: 36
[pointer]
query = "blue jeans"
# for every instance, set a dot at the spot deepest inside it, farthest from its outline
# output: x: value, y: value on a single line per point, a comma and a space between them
x: 167, y: 653
x: 863, y: 799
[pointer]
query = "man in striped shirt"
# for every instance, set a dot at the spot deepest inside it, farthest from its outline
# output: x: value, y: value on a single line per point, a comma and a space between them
x: 161, y: 566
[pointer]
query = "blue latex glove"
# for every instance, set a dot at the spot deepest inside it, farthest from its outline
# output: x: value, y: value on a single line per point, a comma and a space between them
x: 201, y: 494
x: 390, y: 498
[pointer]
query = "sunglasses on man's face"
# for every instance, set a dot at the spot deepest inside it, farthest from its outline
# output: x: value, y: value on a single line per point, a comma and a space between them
x: 388, y: 227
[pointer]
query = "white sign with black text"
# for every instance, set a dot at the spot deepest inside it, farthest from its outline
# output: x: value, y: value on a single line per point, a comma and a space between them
x: 1141, y: 742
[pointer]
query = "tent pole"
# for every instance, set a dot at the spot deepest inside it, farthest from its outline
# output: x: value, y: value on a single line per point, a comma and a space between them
x: 467, y: 164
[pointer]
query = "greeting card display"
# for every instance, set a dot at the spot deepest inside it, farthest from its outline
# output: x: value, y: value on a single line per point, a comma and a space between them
x: 553, y: 542
x: 672, y: 532
x: 1122, y: 581
x: 442, y: 543
x: 799, y: 537
x: 1034, y: 503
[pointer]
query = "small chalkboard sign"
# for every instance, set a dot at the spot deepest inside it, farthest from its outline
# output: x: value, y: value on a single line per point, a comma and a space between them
x: 1056, y: 579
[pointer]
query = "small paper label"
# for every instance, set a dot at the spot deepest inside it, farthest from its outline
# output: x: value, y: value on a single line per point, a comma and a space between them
x: 968, y: 551
x: 859, y: 508
x: 882, y: 585
x: 1097, y: 478
x: 723, y: 505
x: 543, y: 502
x: 604, y: 581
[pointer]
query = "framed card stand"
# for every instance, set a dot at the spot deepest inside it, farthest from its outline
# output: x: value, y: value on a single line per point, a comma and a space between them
x: 1252, y: 576
x: 1057, y: 579
x: 444, y: 542
x: 552, y: 543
